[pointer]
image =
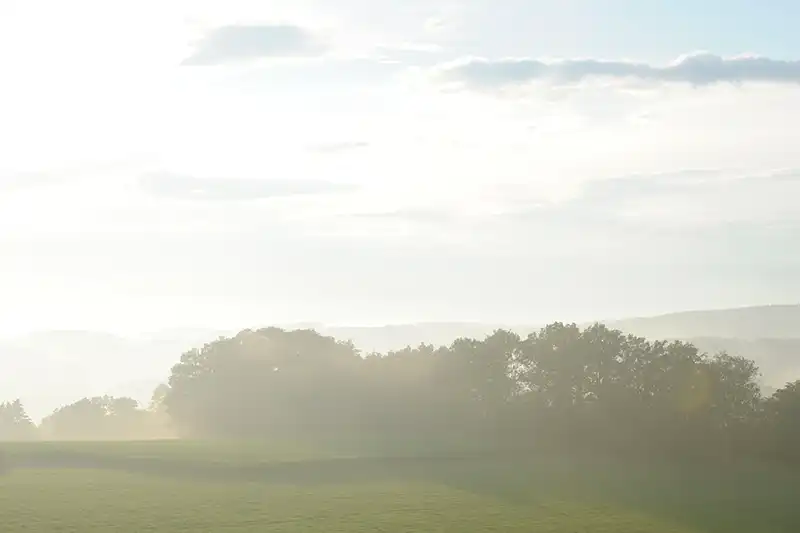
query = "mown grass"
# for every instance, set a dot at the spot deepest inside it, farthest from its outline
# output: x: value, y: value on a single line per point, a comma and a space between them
x: 193, y: 486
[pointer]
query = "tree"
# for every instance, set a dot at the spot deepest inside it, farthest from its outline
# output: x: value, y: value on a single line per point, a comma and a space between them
x: 265, y: 382
x: 15, y: 424
x: 782, y: 421
x: 100, y: 417
x: 157, y: 399
x: 562, y: 385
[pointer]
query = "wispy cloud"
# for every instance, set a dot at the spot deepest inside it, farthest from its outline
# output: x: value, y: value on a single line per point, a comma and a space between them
x: 619, y: 207
x: 336, y: 147
x: 234, y: 189
x: 696, y: 69
x: 12, y: 181
x: 20, y: 181
x: 685, y: 199
x: 412, y: 214
x: 232, y: 44
x: 410, y: 53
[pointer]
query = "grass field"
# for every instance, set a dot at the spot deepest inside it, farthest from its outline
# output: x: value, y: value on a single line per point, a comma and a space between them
x: 194, y: 486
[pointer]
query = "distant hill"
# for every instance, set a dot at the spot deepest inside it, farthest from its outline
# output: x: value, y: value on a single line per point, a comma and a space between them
x: 763, y: 322
x: 48, y: 369
x: 52, y: 368
x: 393, y: 337
x: 778, y: 359
x: 774, y: 347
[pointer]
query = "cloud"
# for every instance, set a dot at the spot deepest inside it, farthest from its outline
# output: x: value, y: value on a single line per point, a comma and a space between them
x: 336, y: 147
x: 410, y: 53
x: 66, y: 177
x: 233, y: 189
x: 421, y: 215
x: 688, y: 199
x: 231, y: 44
x: 613, y: 214
x: 23, y: 181
x: 697, y: 69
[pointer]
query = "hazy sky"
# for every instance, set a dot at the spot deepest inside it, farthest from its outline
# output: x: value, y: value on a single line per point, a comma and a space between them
x: 228, y: 164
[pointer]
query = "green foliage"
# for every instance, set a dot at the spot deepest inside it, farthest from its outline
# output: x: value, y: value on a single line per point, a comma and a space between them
x: 257, y: 382
x: 15, y: 424
x: 560, y: 386
x: 781, y: 422
x: 100, y: 418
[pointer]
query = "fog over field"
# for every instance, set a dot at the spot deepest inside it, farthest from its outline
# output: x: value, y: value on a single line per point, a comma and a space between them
x: 87, y: 363
x: 399, y: 266
x: 454, y: 166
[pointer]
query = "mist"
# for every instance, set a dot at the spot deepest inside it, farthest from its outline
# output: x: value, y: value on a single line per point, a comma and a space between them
x: 347, y: 384
x: 399, y: 266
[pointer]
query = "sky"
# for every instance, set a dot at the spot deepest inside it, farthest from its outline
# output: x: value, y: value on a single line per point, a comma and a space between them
x: 197, y: 163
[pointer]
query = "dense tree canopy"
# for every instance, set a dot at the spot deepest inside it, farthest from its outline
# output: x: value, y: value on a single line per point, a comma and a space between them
x: 559, y: 386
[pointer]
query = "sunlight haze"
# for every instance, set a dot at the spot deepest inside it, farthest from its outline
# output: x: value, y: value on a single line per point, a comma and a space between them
x: 223, y: 164
x: 399, y: 266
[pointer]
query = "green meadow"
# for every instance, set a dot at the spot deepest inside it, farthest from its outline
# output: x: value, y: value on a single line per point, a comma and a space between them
x: 183, y: 486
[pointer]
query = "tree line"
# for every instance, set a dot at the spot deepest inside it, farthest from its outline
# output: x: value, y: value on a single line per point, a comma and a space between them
x: 95, y: 418
x: 562, y: 386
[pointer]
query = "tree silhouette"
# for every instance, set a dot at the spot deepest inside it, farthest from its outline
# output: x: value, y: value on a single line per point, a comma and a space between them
x: 15, y: 424
x: 562, y: 386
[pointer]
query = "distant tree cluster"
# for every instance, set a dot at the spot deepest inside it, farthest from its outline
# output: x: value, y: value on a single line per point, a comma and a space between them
x: 15, y: 424
x: 97, y: 418
x: 561, y: 386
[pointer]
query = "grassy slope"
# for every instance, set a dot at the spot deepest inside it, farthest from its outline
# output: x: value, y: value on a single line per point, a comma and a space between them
x: 248, y: 487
